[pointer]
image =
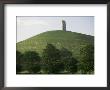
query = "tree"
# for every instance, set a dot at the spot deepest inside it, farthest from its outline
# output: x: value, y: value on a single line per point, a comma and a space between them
x: 31, y: 61
x: 87, y: 59
x: 35, y: 68
x: 70, y: 63
x: 18, y: 68
x: 18, y: 61
x: 18, y: 57
x: 51, y: 60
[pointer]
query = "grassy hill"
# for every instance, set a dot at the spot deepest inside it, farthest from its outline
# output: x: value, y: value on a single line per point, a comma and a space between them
x: 70, y: 40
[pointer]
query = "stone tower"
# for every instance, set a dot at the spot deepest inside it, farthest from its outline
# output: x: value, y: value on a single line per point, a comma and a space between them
x: 63, y: 25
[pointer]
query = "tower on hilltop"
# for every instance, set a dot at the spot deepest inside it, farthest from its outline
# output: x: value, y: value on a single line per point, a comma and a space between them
x: 64, y: 25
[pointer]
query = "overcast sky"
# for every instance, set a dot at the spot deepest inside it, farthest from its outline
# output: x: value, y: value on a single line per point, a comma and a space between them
x: 31, y: 26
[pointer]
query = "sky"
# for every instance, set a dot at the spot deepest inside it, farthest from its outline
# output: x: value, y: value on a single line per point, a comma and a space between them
x: 33, y: 25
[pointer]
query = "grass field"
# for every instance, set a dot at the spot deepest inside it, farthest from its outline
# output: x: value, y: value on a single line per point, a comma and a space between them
x: 67, y: 39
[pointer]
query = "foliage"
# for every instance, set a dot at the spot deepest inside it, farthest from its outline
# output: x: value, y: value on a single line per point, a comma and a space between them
x: 18, y: 68
x: 34, y: 68
x: 18, y: 57
x: 69, y: 62
x: 31, y: 59
x: 51, y: 59
x: 18, y: 61
x: 87, y: 59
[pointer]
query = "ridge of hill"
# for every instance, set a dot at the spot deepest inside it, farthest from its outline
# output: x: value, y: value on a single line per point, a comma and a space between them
x: 67, y: 39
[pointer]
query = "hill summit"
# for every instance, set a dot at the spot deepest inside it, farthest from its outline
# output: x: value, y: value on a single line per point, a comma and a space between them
x: 59, y: 38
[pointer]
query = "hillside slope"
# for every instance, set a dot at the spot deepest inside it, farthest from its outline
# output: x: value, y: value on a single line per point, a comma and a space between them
x: 70, y: 40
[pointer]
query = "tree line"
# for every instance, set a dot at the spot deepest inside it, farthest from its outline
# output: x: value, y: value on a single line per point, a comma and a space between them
x: 55, y: 61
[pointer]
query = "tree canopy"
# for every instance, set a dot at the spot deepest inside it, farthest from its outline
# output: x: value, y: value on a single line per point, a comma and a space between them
x: 87, y: 58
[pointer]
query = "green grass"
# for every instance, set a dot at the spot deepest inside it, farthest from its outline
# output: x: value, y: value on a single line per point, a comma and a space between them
x: 70, y: 40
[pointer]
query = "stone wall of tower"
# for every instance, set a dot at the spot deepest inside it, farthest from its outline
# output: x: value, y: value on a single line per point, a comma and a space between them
x: 63, y: 25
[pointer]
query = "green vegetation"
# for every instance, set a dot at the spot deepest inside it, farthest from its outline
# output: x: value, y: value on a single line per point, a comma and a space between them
x: 56, y: 52
x: 87, y: 58
x: 69, y: 62
x: 31, y: 61
x: 18, y: 61
x: 51, y: 59
x: 69, y: 40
